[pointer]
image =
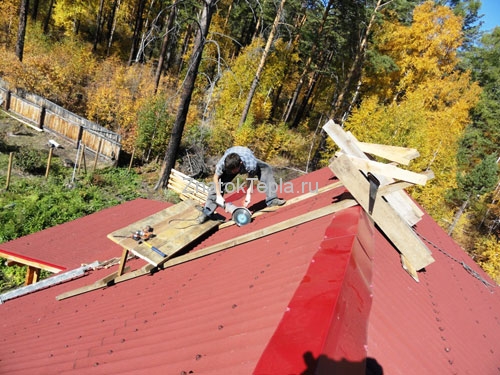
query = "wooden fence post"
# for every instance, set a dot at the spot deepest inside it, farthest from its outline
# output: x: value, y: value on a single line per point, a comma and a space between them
x: 131, y: 159
x: 51, y: 151
x: 42, y: 117
x: 97, y: 154
x: 9, y: 169
x: 7, y: 100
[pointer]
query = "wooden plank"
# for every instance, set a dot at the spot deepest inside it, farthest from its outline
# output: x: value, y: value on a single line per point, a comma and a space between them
x: 29, y: 262
x: 388, y: 170
x: 403, y: 205
x: 401, y: 155
x: 394, y: 227
x: 174, y: 227
x: 309, y: 216
x: 99, y: 284
x: 123, y: 261
x: 187, y: 187
x: 148, y: 269
x: 400, y: 185
x: 289, y: 202
x: 182, y: 187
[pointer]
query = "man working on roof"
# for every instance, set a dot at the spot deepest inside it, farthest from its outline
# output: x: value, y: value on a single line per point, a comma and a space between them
x: 239, y: 160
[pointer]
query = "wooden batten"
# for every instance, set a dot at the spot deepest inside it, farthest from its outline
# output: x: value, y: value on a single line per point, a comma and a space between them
x: 401, y: 155
x: 399, y: 200
x: 388, y: 170
x: 32, y: 275
x: 383, y: 214
x: 187, y: 187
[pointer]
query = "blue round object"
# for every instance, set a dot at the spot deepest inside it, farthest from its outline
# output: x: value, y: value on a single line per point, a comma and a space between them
x: 242, y: 216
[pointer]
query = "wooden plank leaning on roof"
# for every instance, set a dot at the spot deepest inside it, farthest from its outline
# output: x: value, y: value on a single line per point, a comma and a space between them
x: 393, y: 226
x: 399, y: 200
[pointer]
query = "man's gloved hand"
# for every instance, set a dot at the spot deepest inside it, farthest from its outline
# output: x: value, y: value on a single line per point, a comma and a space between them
x: 248, y: 199
x: 220, y: 201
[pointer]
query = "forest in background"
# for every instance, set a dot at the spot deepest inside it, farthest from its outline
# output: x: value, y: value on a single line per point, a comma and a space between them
x: 185, y: 77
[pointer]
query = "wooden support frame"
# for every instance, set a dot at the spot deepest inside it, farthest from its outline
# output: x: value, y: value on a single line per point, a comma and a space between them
x: 403, y: 205
x: 32, y: 275
x: 395, y: 228
x: 123, y: 261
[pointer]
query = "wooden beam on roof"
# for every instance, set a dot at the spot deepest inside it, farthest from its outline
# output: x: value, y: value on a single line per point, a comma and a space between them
x: 32, y: 275
x: 400, y: 185
x: 289, y: 202
x: 99, y: 284
x: 388, y: 170
x: 384, y: 215
x: 149, y: 269
x: 13, y: 259
x: 286, y: 224
x: 405, y: 207
x: 401, y: 155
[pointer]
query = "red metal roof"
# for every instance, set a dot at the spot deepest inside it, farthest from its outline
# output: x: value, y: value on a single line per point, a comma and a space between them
x: 67, y: 246
x: 295, y: 301
x: 448, y: 323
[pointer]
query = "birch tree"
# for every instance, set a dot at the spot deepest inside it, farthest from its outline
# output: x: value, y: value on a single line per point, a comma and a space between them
x: 262, y: 63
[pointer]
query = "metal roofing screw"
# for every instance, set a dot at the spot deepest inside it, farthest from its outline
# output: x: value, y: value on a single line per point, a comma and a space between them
x: 220, y: 327
x: 198, y: 357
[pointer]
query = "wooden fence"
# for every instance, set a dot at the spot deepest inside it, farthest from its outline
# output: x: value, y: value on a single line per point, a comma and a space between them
x: 48, y: 116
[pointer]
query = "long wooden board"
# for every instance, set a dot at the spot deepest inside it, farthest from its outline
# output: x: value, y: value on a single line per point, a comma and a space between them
x: 394, y: 227
x: 174, y: 228
x: 289, y: 202
x: 403, y: 205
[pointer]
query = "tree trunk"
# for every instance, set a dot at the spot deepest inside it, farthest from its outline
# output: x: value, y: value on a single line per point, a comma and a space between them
x: 137, y: 31
x: 337, y: 105
x: 46, y: 22
x: 185, y: 45
x: 164, y: 45
x: 187, y: 91
x: 355, y: 66
x: 34, y: 9
x: 21, y: 33
x: 307, y: 66
x: 457, y: 216
x: 112, y: 25
x: 99, y: 26
x: 263, y: 59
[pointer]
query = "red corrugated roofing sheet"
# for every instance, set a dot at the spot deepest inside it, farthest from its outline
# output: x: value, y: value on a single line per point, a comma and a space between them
x: 448, y: 323
x: 221, y: 313
x: 67, y: 246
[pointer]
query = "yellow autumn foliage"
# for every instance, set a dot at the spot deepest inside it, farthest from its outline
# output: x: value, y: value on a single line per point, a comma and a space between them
x: 263, y: 137
x: 488, y: 250
x: 56, y: 71
x: 425, y: 103
x: 117, y: 95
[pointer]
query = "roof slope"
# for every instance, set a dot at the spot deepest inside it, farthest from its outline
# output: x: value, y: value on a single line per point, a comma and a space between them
x: 67, y: 246
x: 448, y: 323
x: 227, y: 312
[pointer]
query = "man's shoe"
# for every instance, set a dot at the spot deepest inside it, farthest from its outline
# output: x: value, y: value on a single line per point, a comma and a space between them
x: 202, y: 218
x: 276, y: 202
